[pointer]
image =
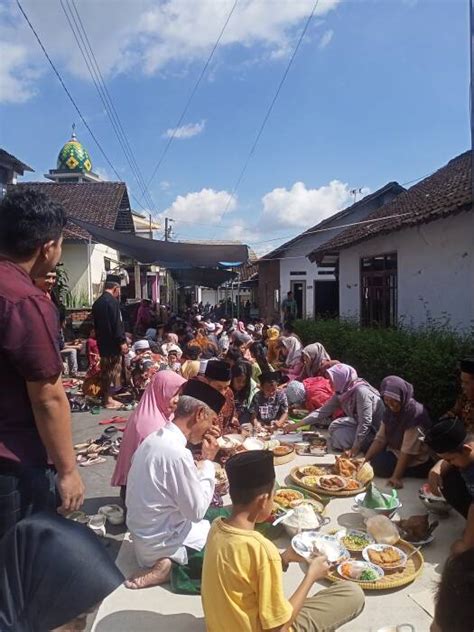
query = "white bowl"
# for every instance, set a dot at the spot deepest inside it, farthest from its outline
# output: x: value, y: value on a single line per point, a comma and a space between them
x: 435, y: 504
x: 251, y: 443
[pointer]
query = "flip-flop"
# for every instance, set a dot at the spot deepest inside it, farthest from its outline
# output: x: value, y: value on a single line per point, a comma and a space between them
x: 93, y: 460
x: 114, y: 514
x: 113, y: 420
x: 97, y: 524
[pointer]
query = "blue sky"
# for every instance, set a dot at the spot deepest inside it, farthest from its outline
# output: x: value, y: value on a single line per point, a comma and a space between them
x: 378, y: 92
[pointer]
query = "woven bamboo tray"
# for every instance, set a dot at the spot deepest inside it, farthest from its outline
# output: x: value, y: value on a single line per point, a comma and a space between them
x: 392, y: 579
x: 344, y: 493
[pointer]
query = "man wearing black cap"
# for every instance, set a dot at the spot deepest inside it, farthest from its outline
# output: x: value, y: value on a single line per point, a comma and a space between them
x: 111, y: 338
x: 242, y: 573
x: 168, y: 495
x: 218, y: 375
x: 454, y: 474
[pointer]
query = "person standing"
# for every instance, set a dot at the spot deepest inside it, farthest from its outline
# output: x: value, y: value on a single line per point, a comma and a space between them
x: 36, y: 451
x: 111, y: 339
x: 289, y: 308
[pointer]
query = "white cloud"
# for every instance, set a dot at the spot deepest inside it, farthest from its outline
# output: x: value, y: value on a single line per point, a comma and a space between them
x: 326, y: 39
x: 207, y: 206
x: 146, y: 36
x: 165, y: 185
x: 185, y: 131
x: 299, y: 207
x: 16, y: 78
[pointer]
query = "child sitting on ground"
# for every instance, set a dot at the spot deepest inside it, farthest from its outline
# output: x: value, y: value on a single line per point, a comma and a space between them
x: 242, y: 587
x: 270, y: 404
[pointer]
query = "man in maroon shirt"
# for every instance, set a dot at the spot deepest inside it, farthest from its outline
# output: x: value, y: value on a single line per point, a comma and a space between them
x: 36, y: 451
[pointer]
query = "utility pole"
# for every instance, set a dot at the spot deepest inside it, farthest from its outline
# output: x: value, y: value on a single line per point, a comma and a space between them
x: 168, y: 228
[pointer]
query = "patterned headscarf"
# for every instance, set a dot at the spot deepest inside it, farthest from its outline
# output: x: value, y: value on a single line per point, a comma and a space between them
x: 317, y: 354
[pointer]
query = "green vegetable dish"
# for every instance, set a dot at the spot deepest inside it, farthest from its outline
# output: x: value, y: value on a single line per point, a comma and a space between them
x: 368, y: 575
x: 355, y: 542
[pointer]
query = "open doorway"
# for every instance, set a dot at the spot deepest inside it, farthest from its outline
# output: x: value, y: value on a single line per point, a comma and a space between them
x: 326, y: 299
x: 299, y: 294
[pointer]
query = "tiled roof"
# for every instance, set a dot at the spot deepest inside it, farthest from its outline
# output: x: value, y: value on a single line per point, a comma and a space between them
x: 105, y: 204
x: 20, y: 167
x: 390, y: 186
x: 446, y: 192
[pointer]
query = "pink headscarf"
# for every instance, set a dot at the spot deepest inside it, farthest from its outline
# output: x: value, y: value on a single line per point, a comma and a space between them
x: 151, y: 414
x: 241, y: 327
x: 345, y: 380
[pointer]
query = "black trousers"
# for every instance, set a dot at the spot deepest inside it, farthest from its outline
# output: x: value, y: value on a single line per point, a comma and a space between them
x: 456, y: 492
x: 24, y: 491
x: 384, y: 464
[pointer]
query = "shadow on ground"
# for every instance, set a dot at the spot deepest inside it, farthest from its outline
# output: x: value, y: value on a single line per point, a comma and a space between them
x: 127, y: 620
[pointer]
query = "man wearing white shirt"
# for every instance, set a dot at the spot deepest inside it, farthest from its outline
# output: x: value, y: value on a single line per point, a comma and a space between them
x: 167, y: 493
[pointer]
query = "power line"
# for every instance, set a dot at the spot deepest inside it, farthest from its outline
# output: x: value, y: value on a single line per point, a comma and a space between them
x: 271, y: 106
x: 85, y: 47
x: 193, y: 92
x: 112, y: 112
x: 71, y: 98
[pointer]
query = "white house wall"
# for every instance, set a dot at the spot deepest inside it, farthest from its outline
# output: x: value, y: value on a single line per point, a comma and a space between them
x: 295, y: 259
x: 75, y: 259
x: 435, y: 271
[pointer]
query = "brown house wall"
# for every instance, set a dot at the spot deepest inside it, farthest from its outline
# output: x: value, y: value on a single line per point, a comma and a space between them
x: 268, y: 282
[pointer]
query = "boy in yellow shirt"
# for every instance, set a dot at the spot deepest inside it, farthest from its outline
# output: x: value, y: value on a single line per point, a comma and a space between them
x: 242, y: 587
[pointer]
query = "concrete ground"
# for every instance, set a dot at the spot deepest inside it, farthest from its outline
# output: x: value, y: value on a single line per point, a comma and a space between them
x: 159, y: 610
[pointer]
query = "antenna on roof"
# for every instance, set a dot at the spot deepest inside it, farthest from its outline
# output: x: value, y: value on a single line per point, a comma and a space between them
x: 354, y: 192
x: 73, y: 136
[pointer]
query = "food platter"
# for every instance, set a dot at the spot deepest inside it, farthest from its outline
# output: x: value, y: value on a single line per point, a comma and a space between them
x: 332, y: 483
x: 360, y: 572
x: 388, y: 557
x: 395, y: 578
x: 354, y: 540
x: 283, y: 454
x: 312, y: 543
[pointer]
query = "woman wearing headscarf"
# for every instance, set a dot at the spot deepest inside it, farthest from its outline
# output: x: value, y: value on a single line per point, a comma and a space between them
x: 314, y: 358
x: 292, y: 348
x: 398, y: 450
x: 362, y: 407
x: 155, y: 409
x: 244, y: 388
x: 53, y: 571
x: 272, y: 336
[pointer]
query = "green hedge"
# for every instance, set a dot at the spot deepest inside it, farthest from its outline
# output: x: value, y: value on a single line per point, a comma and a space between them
x: 428, y: 358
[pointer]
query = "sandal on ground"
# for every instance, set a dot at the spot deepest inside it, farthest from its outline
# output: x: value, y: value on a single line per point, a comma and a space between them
x: 93, y: 460
x: 113, y: 420
x: 78, y: 516
x: 114, y: 514
x: 97, y: 524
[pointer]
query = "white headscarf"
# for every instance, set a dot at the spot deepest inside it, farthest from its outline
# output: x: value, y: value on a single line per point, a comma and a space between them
x: 293, y: 347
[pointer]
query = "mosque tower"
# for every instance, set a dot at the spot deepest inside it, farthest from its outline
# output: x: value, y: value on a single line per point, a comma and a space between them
x: 74, y: 163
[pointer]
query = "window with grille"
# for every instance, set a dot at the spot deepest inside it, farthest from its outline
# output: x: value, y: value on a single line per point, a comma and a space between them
x: 379, y: 290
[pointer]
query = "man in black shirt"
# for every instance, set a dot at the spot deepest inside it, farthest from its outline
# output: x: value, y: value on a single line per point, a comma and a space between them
x: 111, y: 340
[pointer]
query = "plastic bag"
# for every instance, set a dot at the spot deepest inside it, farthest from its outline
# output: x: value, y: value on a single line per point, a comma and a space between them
x: 383, y: 530
x: 374, y: 498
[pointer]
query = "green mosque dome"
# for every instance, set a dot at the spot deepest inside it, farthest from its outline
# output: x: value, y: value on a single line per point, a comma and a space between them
x: 74, y: 157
